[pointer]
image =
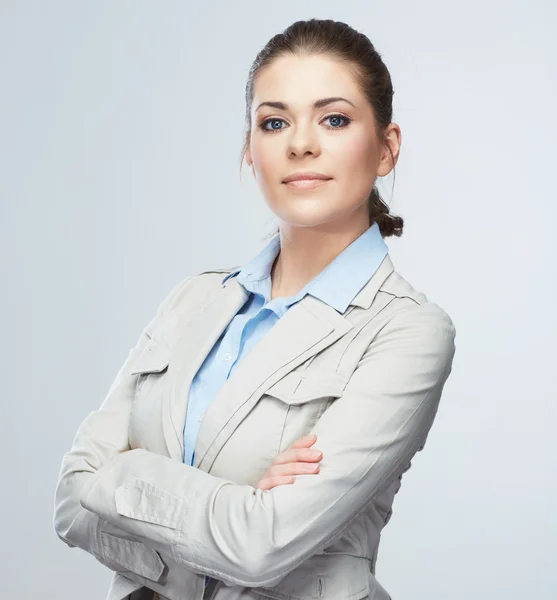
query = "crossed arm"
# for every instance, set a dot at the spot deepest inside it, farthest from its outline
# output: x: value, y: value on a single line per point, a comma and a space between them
x: 193, y: 522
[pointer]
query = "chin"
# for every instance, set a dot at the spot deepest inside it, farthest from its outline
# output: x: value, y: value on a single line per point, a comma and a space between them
x: 294, y: 220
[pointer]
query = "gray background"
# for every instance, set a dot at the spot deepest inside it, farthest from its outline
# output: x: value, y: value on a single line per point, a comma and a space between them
x: 121, y: 128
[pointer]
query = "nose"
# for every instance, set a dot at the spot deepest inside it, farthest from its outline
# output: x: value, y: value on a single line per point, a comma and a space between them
x: 302, y: 141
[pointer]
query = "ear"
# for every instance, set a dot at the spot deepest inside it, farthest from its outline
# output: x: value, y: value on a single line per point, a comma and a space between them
x: 392, y: 142
x: 249, y: 161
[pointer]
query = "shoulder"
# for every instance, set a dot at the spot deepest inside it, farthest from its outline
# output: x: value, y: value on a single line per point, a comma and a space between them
x: 200, y: 285
x: 413, y: 312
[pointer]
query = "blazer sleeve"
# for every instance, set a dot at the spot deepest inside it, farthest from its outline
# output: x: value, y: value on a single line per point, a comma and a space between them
x: 247, y: 536
x: 101, y: 437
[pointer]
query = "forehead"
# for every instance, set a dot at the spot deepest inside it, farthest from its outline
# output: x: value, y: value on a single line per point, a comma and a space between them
x: 300, y: 80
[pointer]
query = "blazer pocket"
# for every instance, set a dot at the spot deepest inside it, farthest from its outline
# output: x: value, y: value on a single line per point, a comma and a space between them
x: 132, y: 556
x: 314, y: 384
x: 153, y: 361
x: 155, y: 358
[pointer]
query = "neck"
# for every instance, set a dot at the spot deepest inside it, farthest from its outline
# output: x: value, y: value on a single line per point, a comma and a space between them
x: 305, y: 252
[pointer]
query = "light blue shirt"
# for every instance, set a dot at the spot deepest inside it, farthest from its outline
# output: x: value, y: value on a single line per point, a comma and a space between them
x: 337, y: 284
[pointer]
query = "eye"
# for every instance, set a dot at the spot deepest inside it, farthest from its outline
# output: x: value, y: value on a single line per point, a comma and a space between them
x: 263, y: 124
x: 335, y: 117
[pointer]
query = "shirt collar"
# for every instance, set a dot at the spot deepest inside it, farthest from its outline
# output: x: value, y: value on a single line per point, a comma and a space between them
x: 337, y: 284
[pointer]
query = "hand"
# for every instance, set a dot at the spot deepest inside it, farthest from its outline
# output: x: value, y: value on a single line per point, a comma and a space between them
x: 298, y: 459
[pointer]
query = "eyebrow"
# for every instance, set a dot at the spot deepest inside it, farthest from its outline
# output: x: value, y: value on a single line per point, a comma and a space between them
x: 317, y: 104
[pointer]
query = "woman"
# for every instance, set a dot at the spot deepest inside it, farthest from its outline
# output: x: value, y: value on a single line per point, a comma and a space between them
x: 220, y: 496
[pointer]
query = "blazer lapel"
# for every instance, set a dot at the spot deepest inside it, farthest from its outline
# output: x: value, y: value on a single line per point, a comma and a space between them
x: 198, y: 333
x: 305, y: 329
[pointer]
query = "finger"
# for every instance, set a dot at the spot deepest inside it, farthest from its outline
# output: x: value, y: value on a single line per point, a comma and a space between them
x: 304, y: 442
x: 298, y: 455
x: 270, y: 482
x: 295, y: 468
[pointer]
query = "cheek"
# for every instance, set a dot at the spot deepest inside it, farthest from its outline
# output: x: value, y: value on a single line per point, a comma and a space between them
x: 354, y: 160
x: 264, y: 156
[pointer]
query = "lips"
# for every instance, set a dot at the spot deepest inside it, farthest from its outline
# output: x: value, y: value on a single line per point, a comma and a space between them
x: 306, y: 176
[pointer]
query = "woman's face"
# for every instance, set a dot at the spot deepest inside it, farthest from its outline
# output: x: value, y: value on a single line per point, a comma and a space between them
x: 337, y: 139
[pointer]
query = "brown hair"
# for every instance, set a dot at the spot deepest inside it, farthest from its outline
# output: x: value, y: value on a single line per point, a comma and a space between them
x: 317, y: 36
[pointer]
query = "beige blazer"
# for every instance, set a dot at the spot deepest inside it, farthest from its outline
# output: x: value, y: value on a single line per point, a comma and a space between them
x: 367, y: 382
